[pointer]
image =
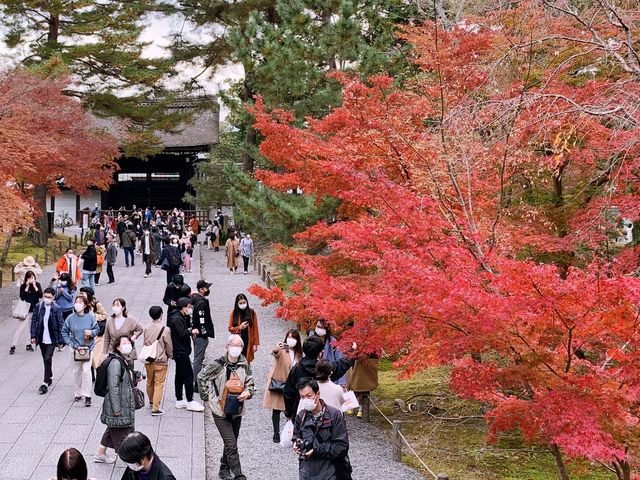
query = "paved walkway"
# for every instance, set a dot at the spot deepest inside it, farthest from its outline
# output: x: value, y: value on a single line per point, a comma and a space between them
x: 35, y: 429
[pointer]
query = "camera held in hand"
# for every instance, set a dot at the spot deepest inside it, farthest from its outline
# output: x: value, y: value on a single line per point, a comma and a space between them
x: 303, y: 446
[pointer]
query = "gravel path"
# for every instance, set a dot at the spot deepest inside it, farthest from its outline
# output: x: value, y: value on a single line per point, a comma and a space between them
x: 370, y: 451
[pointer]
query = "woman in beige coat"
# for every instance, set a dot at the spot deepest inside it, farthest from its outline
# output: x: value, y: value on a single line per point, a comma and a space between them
x: 233, y: 252
x: 286, y: 355
x: 120, y: 323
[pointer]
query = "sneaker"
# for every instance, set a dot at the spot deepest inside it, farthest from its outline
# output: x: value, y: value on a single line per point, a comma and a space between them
x: 77, y: 399
x: 157, y: 413
x: 194, y: 406
x: 181, y: 404
x: 97, y: 284
x: 246, y: 273
x: 30, y: 348
x: 145, y: 275
x: 12, y: 350
x: 359, y: 414
x: 195, y: 388
x: 87, y: 402
x: 43, y: 389
x: 225, y: 475
x: 104, y: 458
x: 276, y: 438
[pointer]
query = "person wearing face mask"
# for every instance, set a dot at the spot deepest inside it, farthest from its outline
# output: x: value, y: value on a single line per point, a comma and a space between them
x: 157, y: 369
x: 211, y: 381
x: 285, y: 355
x: 232, y: 248
x: 30, y: 292
x: 320, y: 437
x: 110, y: 256
x: 181, y: 332
x: 170, y: 258
x: 173, y: 292
x: 68, y: 263
x: 244, y: 322
x: 128, y: 242
x: 101, y: 317
x: 65, y: 290
x: 246, y: 250
x: 46, y: 332
x: 148, y: 249
x: 142, y: 462
x: 120, y: 323
x: 331, y: 353
x: 78, y: 331
x: 118, y: 408
x: 201, y: 321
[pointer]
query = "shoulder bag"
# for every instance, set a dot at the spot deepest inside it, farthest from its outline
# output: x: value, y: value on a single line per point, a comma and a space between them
x: 149, y: 353
x: 20, y: 309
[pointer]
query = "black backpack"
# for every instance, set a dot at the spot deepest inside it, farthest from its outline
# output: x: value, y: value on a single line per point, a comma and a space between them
x: 174, y: 257
x: 101, y: 385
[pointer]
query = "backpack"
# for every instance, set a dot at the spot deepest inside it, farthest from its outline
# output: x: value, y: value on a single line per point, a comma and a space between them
x: 174, y: 257
x: 101, y: 385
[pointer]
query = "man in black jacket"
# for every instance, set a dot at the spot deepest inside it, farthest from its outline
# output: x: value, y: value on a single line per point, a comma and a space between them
x: 46, y: 331
x: 172, y: 293
x: 179, y: 322
x: 142, y: 462
x: 201, y: 321
x: 312, y: 349
x: 320, y: 437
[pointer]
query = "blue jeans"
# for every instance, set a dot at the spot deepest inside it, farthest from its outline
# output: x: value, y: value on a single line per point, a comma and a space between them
x: 88, y: 280
x: 128, y: 251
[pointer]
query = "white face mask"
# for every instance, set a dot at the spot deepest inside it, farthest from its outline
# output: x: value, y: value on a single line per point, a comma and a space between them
x: 136, y: 467
x: 234, y: 352
x: 321, y: 332
x: 308, y: 404
x: 63, y: 283
x: 189, y: 312
x: 48, y: 301
x: 127, y: 348
x: 79, y: 307
x: 242, y: 306
x: 292, y: 342
x: 116, y: 310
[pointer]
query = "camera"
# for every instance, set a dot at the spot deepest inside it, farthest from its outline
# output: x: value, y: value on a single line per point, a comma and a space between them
x: 303, y: 446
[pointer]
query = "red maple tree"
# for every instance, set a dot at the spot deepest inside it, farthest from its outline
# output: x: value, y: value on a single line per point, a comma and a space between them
x: 479, y: 206
x: 47, y: 139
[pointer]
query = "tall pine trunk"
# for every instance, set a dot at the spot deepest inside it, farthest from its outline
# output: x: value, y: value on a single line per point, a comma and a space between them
x: 6, y: 248
x: 250, y: 136
x: 40, y: 235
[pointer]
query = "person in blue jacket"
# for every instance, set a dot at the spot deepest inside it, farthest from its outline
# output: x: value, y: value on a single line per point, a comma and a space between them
x: 78, y: 331
x: 46, y: 332
x: 65, y: 292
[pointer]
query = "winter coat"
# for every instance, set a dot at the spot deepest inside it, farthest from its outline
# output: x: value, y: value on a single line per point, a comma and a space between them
x: 111, y: 254
x: 152, y: 247
x: 233, y: 252
x: 201, y: 317
x: 332, y: 354
x: 31, y: 294
x: 130, y: 327
x: 158, y: 471
x: 65, y: 298
x: 56, y: 321
x: 329, y: 444
x: 307, y: 368
x: 90, y: 257
x: 165, y: 345
x: 74, y: 327
x: 171, y: 292
x: 119, y: 397
x: 216, y: 372
x: 180, y: 334
x: 252, y: 331
x: 128, y: 239
x: 280, y: 371
x: 62, y: 266
x: 363, y: 377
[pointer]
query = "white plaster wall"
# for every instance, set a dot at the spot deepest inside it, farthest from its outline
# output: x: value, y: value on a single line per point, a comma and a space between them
x: 66, y: 202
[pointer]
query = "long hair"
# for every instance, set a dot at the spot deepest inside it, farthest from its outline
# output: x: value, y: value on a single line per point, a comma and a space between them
x: 71, y: 465
x: 28, y: 275
x: 295, y: 334
x: 123, y: 304
x: 240, y: 315
x: 65, y: 277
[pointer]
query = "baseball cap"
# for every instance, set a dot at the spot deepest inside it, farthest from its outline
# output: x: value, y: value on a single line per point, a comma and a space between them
x: 202, y: 284
x: 183, y: 302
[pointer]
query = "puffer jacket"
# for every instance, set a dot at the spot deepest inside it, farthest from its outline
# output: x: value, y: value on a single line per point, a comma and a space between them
x: 119, y: 397
x: 216, y: 372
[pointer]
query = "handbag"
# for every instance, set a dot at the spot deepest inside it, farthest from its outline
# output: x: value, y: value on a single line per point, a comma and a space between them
x: 20, y: 309
x: 138, y: 398
x: 82, y: 354
x: 276, y: 385
x: 149, y: 353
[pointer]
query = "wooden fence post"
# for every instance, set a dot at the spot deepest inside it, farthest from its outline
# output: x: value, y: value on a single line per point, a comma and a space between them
x: 396, y: 441
x: 365, y: 404
x: 13, y: 274
x: 264, y: 273
x: 46, y: 255
x: 443, y: 476
x: 268, y: 280
x: 0, y: 278
x: 69, y: 243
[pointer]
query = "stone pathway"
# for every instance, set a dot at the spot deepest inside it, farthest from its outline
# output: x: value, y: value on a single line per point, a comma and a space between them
x: 35, y: 429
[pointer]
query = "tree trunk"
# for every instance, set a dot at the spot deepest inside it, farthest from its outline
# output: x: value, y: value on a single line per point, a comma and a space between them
x: 623, y: 469
x: 40, y: 235
x: 7, y: 246
x: 250, y: 137
x: 54, y: 29
x: 557, y: 455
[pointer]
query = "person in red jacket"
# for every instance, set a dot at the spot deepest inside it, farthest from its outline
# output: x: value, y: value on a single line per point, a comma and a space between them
x: 68, y: 263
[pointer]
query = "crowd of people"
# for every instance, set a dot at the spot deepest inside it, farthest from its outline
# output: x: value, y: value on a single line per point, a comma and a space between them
x: 307, y: 382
